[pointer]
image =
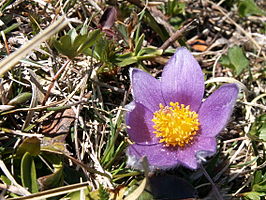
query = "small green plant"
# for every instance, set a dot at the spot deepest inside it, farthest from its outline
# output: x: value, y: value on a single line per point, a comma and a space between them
x: 258, y: 129
x: 249, y: 7
x: 103, y: 193
x: 174, y: 8
x: 109, y: 54
x: 235, y: 59
x: 258, y: 187
x: 72, y: 44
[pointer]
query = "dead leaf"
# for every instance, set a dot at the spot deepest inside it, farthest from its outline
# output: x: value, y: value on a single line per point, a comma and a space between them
x: 52, y: 180
x: 198, y: 45
x: 108, y: 18
x: 60, y: 124
x: 56, y: 130
x: 55, y: 144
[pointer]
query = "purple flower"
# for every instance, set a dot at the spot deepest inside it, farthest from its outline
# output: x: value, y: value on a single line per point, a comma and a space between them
x: 167, y: 120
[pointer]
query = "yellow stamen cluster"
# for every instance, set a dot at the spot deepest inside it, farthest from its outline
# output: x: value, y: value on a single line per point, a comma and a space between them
x: 176, y: 124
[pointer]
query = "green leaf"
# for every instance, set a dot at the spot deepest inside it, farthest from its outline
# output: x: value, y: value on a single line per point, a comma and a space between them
x: 225, y: 61
x: 92, y: 38
x: 252, y: 195
x: 28, y: 173
x: 249, y: 7
x: 66, y: 41
x: 80, y: 40
x: 30, y: 145
x: 102, y: 49
x: 87, y: 194
x: 130, y: 58
x: 125, y: 59
x: 258, y: 129
x: 259, y: 183
x: 174, y: 8
x: 21, y: 98
x: 258, y: 177
x: 149, y: 52
x: 258, y: 186
x: 139, y: 44
x: 84, y: 29
x: 123, y: 31
x: 73, y: 34
x: 5, y: 180
x: 238, y: 59
x: 73, y: 44
x: 160, y: 30
x: 65, y: 47
x: 77, y: 195
x: 235, y: 59
x: 103, y: 193
x: 11, y: 28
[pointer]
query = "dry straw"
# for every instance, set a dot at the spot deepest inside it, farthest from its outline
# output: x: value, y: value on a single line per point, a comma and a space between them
x: 11, y: 60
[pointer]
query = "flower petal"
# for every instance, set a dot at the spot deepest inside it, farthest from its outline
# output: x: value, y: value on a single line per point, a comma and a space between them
x: 162, y: 157
x: 140, y: 125
x: 216, y: 110
x: 146, y: 89
x: 157, y: 155
x: 202, y: 147
x: 183, y: 80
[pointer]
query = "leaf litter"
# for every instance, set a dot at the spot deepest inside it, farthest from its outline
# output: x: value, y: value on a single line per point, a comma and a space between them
x: 80, y: 89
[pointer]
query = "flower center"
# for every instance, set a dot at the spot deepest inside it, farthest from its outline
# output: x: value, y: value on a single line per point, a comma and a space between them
x: 176, y: 124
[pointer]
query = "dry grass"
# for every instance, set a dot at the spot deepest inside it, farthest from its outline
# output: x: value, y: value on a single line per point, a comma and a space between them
x: 87, y: 148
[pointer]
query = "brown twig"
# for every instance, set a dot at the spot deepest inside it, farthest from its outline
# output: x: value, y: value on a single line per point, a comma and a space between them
x: 53, y: 81
x: 5, y: 41
x: 175, y: 36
